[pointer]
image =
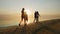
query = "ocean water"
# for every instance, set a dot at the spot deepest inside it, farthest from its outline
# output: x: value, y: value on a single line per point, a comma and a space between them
x: 11, y: 21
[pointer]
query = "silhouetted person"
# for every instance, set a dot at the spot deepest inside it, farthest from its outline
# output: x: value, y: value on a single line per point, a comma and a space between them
x: 36, y: 16
x: 23, y: 16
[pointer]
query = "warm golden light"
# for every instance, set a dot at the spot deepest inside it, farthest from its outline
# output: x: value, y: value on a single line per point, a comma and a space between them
x: 28, y: 22
x: 27, y: 11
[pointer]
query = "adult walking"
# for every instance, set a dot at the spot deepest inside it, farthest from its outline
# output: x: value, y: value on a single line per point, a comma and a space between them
x: 24, y: 16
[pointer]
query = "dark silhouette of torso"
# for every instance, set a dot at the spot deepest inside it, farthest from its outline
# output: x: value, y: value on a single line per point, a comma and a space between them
x: 36, y: 16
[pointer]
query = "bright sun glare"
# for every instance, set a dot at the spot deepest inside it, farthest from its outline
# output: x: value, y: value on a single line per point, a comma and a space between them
x: 27, y: 11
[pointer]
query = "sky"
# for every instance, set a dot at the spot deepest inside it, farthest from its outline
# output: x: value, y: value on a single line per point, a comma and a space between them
x: 43, y: 6
x: 10, y: 9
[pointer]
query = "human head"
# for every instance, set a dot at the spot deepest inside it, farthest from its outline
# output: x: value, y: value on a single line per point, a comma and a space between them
x: 23, y: 8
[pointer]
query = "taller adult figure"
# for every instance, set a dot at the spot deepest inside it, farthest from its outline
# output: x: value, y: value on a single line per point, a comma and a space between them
x: 23, y: 16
